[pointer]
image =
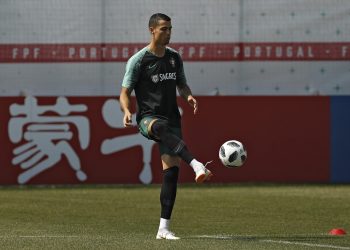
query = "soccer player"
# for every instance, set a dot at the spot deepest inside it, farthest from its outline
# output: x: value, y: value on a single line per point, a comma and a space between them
x: 154, y: 73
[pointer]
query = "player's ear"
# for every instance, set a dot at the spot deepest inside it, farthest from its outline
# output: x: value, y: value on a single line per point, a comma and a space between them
x: 151, y: 30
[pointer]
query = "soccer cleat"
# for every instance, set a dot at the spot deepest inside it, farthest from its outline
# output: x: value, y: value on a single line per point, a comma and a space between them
x: 203, y: 174
x: 166, y: 235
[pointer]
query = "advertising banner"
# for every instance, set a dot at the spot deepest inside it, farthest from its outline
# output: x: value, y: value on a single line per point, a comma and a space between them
x: 72, y: 140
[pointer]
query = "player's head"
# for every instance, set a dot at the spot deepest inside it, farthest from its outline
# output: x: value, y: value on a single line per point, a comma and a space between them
x: 160, y: 28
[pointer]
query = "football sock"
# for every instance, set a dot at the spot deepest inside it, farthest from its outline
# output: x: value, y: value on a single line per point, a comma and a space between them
x: 178, y: 146
x: 164, y: 223
x: 168, y: 191
x: 186, y: 155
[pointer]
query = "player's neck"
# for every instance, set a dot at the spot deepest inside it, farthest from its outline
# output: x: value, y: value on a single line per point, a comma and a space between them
x: 156, y: 49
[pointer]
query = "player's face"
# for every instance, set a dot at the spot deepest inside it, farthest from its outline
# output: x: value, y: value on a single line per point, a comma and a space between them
x: 162, y: 32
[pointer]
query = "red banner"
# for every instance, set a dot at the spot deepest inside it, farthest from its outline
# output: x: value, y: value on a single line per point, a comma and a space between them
x: 120, y: 52
x: 59, y: 140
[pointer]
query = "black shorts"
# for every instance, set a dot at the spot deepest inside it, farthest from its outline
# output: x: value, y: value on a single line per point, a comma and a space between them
x: 145, y: 130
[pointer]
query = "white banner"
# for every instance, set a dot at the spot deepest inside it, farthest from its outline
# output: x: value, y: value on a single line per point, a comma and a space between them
x: 230, y: 47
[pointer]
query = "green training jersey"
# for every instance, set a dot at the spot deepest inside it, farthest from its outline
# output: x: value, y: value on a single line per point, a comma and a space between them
x: 154, y: 80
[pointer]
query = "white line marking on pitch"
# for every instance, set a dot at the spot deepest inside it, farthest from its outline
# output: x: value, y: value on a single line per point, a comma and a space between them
x: 304, y: 244
x: 227, y: 237
x: 48, y: 236
x: 223, y: 237
x: 214, y: 236
x: 38, y: 236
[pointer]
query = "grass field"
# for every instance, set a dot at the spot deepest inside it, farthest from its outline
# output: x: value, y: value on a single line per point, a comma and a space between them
x: 243, y: 216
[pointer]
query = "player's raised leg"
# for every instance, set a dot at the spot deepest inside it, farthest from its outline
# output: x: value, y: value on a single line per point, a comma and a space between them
x: 159, y: 129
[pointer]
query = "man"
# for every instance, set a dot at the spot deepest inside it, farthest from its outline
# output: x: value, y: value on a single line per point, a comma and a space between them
x: 154, y: 73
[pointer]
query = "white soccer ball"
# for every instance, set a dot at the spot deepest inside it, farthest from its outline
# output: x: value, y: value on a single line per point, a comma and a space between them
x: 232, y: 154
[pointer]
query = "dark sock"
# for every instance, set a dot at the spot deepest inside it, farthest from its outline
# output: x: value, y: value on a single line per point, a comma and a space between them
x: 178, y: 146
x: 168, y: 191
x: 186, y: 155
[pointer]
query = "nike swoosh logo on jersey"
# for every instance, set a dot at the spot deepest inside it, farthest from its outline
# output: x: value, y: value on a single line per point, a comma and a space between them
x: 151, y: 66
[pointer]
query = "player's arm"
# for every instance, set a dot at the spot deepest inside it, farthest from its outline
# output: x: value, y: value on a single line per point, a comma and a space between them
x: 125, y: 106
x: 186, y: 93
x: 129, y: 81
x: 183, y: 88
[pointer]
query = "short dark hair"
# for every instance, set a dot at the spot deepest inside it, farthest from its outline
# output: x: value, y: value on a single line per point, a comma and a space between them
x: 153, y: 21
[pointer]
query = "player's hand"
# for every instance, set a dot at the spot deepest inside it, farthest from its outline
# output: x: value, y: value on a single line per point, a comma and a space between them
x: 127, y: 120
x: 193, y: 102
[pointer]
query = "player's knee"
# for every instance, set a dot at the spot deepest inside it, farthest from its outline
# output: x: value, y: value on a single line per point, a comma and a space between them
x: 159, y: 127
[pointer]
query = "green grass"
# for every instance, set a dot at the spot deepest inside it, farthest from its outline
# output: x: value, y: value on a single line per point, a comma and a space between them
x: 241, y: 216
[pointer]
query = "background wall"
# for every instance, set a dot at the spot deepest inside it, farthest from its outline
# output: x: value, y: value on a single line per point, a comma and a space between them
x: 311, y: 38
x: 277, y: 70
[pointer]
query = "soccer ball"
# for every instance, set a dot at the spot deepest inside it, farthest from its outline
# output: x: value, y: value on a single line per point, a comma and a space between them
x: 232, y: 154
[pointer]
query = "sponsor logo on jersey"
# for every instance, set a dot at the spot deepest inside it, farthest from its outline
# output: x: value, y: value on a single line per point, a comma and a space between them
x: 163, y: 77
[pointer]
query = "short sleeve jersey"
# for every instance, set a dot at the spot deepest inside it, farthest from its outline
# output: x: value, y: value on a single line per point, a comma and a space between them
x: 154, y: 80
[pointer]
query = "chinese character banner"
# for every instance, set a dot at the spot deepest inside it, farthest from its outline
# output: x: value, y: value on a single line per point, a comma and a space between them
x: 77, y: 140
